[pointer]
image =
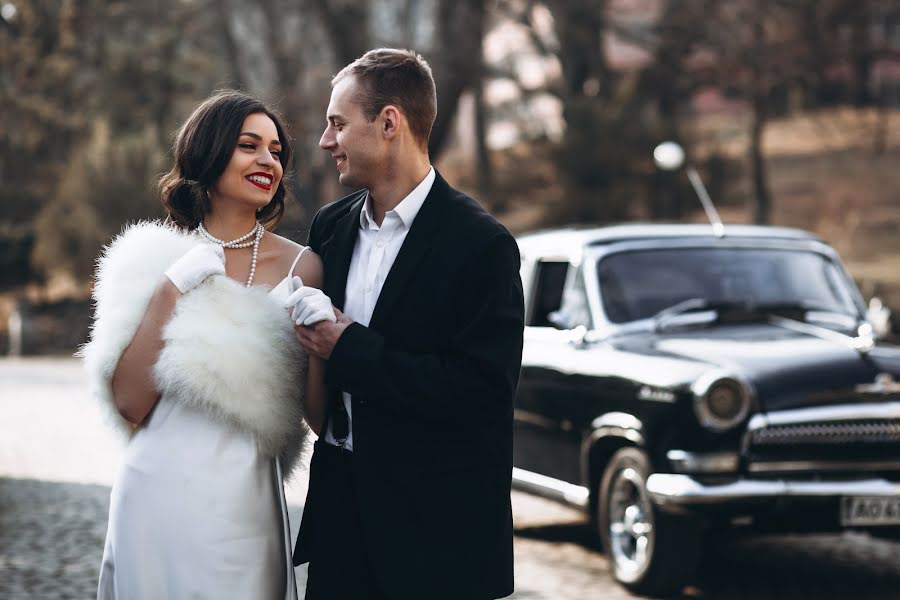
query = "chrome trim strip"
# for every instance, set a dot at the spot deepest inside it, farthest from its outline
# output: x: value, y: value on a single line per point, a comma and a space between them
x: 682, y: 490
x: 524, y: 416
x: 611, y: 424
x: 548, y: 487
x: 703, y: 462
x: 842, y: 412
x: 820, y: 465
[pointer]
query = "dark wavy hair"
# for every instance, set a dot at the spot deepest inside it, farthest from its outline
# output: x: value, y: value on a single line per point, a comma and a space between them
x: 203, y: 148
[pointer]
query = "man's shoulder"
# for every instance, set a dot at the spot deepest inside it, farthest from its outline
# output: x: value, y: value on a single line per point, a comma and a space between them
x: 468, y: 214
x: 337, y: 209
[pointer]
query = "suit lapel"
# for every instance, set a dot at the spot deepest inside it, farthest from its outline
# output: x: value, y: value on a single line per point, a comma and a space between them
x: 337, y: 252
x: 414, y: 248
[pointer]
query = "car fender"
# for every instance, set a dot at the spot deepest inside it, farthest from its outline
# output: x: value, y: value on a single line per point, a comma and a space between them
x: 608, y: 433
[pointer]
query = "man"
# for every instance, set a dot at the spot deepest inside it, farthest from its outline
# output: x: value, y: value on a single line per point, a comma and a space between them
x: 410, y: 480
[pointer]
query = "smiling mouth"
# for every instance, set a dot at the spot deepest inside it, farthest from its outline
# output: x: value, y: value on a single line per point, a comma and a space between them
x: 261, y: 181
x: 339, y: 160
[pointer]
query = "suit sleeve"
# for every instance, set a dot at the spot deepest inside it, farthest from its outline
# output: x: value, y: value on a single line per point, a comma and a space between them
x: 314, y: 237
x: 477, y: 374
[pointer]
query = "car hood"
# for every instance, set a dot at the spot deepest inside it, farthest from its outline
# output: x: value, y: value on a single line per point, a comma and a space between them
x: 788, y: 369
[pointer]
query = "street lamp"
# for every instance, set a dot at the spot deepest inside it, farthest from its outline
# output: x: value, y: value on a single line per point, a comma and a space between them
x: 669, y: 156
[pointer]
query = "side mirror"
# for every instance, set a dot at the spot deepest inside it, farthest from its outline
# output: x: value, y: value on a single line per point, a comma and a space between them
x: 879, y: 316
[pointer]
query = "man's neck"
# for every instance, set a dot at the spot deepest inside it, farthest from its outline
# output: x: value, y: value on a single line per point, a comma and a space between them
x: 390, y: 191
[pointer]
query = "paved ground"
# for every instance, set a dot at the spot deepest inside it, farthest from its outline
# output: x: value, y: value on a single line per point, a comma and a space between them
x: 57, y: 462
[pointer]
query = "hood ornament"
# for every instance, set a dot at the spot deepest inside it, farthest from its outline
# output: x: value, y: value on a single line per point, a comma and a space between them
x: 884, y: 384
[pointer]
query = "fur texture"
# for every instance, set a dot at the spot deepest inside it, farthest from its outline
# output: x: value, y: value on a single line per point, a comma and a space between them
x: 229, y: 351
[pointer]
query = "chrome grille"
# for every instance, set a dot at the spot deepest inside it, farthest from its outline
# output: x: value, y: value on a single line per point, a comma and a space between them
x: 861, y: 431
x: 848, y: 438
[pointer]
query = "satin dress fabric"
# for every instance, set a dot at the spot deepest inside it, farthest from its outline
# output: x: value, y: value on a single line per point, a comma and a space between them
x: 197, y: 512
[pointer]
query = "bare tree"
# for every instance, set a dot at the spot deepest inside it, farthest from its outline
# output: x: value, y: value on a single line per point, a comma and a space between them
x: 456, y: 60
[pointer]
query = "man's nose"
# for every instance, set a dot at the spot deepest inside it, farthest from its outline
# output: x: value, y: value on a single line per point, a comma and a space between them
x: 327, y: 140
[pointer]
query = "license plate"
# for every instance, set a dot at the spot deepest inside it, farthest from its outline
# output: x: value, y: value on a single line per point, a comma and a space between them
x: 870, y: 510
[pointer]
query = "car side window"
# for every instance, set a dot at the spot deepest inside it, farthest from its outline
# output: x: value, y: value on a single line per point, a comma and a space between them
x: 547, y: 292
x: 575, y: 309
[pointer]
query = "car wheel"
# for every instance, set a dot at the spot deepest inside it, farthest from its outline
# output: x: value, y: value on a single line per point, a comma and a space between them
x: 650, y: 552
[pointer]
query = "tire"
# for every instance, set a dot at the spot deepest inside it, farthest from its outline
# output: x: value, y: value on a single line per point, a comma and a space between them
x: 650, y: 552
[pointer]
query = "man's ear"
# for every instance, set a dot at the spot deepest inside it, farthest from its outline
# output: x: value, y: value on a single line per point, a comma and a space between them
x: 390, y: 121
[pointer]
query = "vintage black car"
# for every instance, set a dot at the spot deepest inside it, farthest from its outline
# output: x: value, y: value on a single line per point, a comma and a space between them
x: 678, y: 377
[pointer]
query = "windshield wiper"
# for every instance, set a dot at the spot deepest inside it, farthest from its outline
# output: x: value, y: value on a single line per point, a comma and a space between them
x: 805, y: 306
x: 826, y: 314
x: 692, y: 305
x: 745, y: 308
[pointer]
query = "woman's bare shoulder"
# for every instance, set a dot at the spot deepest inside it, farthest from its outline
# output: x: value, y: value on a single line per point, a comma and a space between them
x: 283, y: 245
x: 308, y: 268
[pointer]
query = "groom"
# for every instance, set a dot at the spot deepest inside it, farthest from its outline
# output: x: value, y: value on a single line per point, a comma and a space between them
x: 410, y: 480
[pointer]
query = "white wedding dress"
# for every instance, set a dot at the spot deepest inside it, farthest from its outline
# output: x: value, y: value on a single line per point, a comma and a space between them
x: 196, y: 511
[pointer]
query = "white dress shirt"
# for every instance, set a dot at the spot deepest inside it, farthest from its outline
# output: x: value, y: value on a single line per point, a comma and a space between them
x: 373, y: 256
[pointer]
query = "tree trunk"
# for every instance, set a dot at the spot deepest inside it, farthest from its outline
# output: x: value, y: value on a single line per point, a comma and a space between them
x: 762, y: 200
x: 456, y: 62
x: 289, y: 70
x: 580, y: 27
x: 881, y: 128
x: 348, y: 28
x: 482, y: 153
x: 862, y: 56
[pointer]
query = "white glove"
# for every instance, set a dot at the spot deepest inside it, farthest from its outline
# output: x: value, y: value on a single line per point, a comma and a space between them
x: 310, y: 305
x: 193, y: 268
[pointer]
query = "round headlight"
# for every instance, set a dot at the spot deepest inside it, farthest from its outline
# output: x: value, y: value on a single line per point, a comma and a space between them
x: 721, y: 402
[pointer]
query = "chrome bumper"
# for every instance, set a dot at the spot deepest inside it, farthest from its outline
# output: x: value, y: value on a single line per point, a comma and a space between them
x: 669, y: 490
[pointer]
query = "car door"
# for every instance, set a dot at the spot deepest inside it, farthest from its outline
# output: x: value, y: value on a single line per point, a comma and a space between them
x: 549, y: 403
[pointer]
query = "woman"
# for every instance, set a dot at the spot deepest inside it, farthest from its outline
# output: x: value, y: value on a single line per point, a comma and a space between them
x: 194, y: 352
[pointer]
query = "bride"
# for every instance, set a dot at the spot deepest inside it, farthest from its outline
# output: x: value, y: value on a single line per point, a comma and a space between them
x: 197, y: 359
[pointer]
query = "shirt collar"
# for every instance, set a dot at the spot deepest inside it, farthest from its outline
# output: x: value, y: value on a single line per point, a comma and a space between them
x: 408, y: 207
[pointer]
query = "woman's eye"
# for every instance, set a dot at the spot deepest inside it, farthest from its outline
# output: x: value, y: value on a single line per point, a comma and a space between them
x: 275, y: 153
x: 247, y: 146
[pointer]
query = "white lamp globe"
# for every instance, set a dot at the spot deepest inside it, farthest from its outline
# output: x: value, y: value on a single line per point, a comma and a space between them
x: 668, y: 156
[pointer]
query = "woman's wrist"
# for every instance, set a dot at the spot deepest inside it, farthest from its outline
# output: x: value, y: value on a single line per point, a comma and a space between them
x: 166, y: 293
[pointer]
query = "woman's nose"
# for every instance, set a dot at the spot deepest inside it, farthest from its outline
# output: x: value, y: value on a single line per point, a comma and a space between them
x: 266, y: 158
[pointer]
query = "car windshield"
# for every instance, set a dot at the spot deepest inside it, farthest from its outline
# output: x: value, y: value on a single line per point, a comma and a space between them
x: 639, y: 284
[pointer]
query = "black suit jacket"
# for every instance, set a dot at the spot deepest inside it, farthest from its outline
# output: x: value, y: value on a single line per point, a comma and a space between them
x: 432, y: 379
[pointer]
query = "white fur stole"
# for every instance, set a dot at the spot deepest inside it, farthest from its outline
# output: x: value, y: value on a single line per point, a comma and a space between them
x: 229, y: 351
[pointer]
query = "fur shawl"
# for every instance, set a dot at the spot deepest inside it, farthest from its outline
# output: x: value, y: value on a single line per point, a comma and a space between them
x: 229, y: 351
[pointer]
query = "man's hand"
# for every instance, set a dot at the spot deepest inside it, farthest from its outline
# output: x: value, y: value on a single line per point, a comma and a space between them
x: 320, y: 338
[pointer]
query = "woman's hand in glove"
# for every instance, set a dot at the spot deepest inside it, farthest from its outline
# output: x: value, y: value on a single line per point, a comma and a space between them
x: 309, y: 305
x: 193, y: 268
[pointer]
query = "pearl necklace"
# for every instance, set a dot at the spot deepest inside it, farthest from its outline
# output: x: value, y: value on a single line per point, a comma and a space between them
x: 242, y: 242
